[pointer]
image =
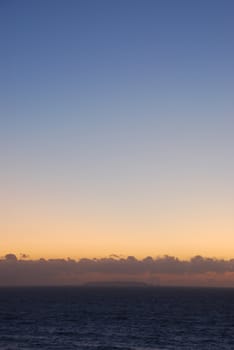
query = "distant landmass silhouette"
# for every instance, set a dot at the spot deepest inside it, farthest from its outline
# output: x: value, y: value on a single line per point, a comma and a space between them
x: 116, y: 284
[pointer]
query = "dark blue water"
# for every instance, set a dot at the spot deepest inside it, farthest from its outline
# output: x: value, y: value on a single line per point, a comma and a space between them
x: 116, y: 318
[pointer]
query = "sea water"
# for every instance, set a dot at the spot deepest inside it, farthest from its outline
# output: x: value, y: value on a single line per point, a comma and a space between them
x: 97, y: 318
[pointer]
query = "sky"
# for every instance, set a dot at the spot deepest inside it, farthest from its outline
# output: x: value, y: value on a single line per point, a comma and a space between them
x: 116, y: 128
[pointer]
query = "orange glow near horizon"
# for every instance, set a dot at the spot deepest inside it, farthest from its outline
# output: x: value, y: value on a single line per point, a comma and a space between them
x: 61, y: 238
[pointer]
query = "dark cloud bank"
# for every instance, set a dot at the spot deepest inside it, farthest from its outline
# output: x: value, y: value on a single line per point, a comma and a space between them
x: 166, y: 270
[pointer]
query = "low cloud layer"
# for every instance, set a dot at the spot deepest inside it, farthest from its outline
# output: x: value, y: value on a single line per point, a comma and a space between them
x: 166, y: 270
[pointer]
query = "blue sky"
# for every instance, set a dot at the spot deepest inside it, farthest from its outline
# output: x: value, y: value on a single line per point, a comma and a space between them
x: 118, y: 111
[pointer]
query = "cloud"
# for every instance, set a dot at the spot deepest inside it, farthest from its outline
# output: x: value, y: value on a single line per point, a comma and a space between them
x: 10, y: 257
x: 167, y: 269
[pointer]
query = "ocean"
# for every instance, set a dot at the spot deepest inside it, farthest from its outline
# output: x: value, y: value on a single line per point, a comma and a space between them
x: 112, y: 318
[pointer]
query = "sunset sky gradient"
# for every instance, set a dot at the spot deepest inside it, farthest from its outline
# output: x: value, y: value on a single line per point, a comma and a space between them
x: 116, y: 128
